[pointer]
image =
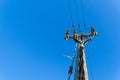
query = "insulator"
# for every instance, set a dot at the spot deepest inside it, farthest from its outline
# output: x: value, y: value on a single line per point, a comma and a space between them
x: 96, y: 33
x: 70, y: 69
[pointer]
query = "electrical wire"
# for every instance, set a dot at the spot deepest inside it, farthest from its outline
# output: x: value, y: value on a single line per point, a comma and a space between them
x: 71, y: 66
x: 83, y: 16
x: 76, y: 7
x: 71, y: 14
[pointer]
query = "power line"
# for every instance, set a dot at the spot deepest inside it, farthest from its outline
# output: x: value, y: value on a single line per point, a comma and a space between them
x: 71, y: 14
x: 83, y: 15
x: 76, y: 7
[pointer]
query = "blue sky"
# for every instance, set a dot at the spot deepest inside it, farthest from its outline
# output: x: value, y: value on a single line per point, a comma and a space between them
x: 32, y: 45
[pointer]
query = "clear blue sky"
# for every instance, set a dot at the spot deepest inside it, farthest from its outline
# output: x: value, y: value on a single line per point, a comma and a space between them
x: 32, y: 45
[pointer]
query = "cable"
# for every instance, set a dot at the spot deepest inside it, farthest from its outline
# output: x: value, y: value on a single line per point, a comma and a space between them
x: 71, y: 66
x: 83, y: 15
x: 70, y: 8
x: 76, y: 7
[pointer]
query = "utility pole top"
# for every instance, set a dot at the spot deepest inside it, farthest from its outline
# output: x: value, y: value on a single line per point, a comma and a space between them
x: 79, y: 38
x: 81, y: 66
